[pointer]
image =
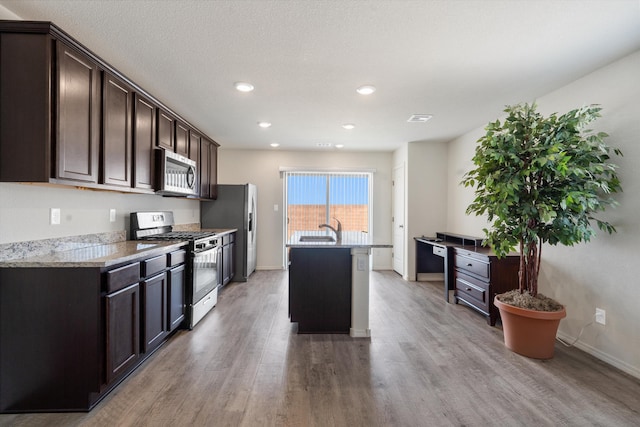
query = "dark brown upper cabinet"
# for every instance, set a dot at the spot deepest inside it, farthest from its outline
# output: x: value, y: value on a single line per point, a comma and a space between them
x: 166, y: 136
x: 49, y: 111
x: 144, y: 141
x: 182, y: 138
x: 208, y: 169
x: 116, y: 141
x: 78, y: 80
x: 68, y: 117
x: 194, y: 154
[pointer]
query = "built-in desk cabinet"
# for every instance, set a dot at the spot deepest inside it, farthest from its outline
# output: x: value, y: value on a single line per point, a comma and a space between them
x: 69, y: 335
x: 480, y: 275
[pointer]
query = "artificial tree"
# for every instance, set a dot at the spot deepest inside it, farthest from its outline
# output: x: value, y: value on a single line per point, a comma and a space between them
x: 541, y: 180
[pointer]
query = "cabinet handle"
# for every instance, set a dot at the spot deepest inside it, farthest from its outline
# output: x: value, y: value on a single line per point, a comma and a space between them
x: 468, y: 289
x: 206, y: 301
x: 469, y: 265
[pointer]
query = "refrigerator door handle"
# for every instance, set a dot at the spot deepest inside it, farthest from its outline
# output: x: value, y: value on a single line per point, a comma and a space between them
x: 250, y: 221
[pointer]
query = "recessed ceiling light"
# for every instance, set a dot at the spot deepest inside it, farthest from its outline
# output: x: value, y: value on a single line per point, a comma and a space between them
x: 274, y: 144
x: 243, y: 86
x: 339, y: 145
x: 348, y: 126
x: 366, y: 90
x: 324, y: 144
x: 264, y: 124
x: 419, y: 118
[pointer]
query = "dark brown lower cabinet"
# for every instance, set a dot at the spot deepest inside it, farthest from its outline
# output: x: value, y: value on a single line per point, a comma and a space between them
x: 176, y: 297
x: 154, y: 316
x: 228, y: 258
x: 68, y: 336
x: 123, y: 331
x: 320, y: 289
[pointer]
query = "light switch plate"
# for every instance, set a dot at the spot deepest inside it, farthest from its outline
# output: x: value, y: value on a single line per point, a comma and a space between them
x: 112, y: 215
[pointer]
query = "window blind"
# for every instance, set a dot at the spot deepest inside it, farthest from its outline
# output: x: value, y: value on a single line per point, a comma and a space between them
x: 314, y: 198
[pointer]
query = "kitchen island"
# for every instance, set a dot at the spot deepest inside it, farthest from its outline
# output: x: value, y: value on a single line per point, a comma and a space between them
x: 329, y: 282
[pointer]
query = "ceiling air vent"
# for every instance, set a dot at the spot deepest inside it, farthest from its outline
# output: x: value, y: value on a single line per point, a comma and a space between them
x: 419, y: 118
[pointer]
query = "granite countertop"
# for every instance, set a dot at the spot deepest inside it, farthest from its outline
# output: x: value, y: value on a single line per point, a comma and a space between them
x: 101, y: 255
x: 350, y: 239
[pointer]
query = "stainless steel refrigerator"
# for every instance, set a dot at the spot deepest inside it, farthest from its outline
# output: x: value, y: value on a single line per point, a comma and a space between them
x: 235, y: 207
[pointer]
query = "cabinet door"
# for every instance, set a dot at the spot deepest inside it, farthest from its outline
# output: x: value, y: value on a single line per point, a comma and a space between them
x: 144, y: 141
x: 232, y: 258
x: 122, y: 331
x: 154, y: 311
x: 78, y: 116
x: 176, y: 296
x: 208, y: 169
x: 182, y: 139
x: 165, y: 130
x: 194, y: 154
x: 116, y: 125
x: 205, y: 161
x: 226, y: 264
x: 213, y: 171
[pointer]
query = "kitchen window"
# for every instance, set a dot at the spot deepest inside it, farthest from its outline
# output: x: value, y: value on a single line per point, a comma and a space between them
x: 316, y: 197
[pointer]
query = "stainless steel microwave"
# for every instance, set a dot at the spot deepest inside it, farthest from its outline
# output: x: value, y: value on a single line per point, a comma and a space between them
x: 177, y: 174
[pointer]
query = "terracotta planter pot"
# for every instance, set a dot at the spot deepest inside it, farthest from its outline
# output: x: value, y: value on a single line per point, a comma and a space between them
x: 528, y: 332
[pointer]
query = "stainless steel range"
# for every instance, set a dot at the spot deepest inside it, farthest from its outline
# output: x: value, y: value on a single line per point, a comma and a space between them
x: 203, y: 266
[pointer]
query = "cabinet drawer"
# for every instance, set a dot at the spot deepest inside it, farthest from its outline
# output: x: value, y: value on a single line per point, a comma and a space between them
x: 123, y: 277
x: 226, y: 239
x: 232, y: 237
x: 472, y: 265
x: 153, y: 265
x: 473, y: 291
x: 437, y: 250
x: 176, y: 258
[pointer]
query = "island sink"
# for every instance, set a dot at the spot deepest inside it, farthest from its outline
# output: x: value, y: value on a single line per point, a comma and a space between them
x: 326, y: 239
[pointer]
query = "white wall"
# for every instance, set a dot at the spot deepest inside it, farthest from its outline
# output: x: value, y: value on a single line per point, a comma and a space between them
x: 426, y: 195
x: 263, y: 169
x: 24, y: 211
x: 601, y: 273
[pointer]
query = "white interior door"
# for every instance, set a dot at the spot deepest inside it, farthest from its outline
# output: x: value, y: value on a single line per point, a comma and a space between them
x: 398, y: 220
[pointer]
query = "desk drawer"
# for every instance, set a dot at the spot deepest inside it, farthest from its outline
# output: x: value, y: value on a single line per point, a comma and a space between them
x: 472, y: 265
x: 473, y: 291
x: 437, y: 250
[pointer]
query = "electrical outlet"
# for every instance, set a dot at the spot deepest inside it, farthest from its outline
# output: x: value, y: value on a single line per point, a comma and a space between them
x: 601, y: 316
x: 54, y: 216
x: 112, y: 215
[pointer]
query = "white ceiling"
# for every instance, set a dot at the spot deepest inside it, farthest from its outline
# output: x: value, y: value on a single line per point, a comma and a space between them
x: 461, y: 61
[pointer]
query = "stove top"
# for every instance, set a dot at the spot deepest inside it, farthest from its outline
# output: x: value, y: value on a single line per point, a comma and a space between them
x: 179, y: 235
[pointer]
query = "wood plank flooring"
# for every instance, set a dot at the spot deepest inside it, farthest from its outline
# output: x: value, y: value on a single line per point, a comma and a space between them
x: 428, y: 363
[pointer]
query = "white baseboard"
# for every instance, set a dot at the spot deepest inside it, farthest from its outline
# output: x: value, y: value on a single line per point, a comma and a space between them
x: 268, y: 267
x: 360, y: 333
x: 607, y: 358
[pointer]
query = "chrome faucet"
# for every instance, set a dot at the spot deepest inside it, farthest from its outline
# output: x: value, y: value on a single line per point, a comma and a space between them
x: 338, y: 231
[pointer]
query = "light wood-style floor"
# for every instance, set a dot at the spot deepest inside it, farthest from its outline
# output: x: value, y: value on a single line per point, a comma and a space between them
x: 428, y: 363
